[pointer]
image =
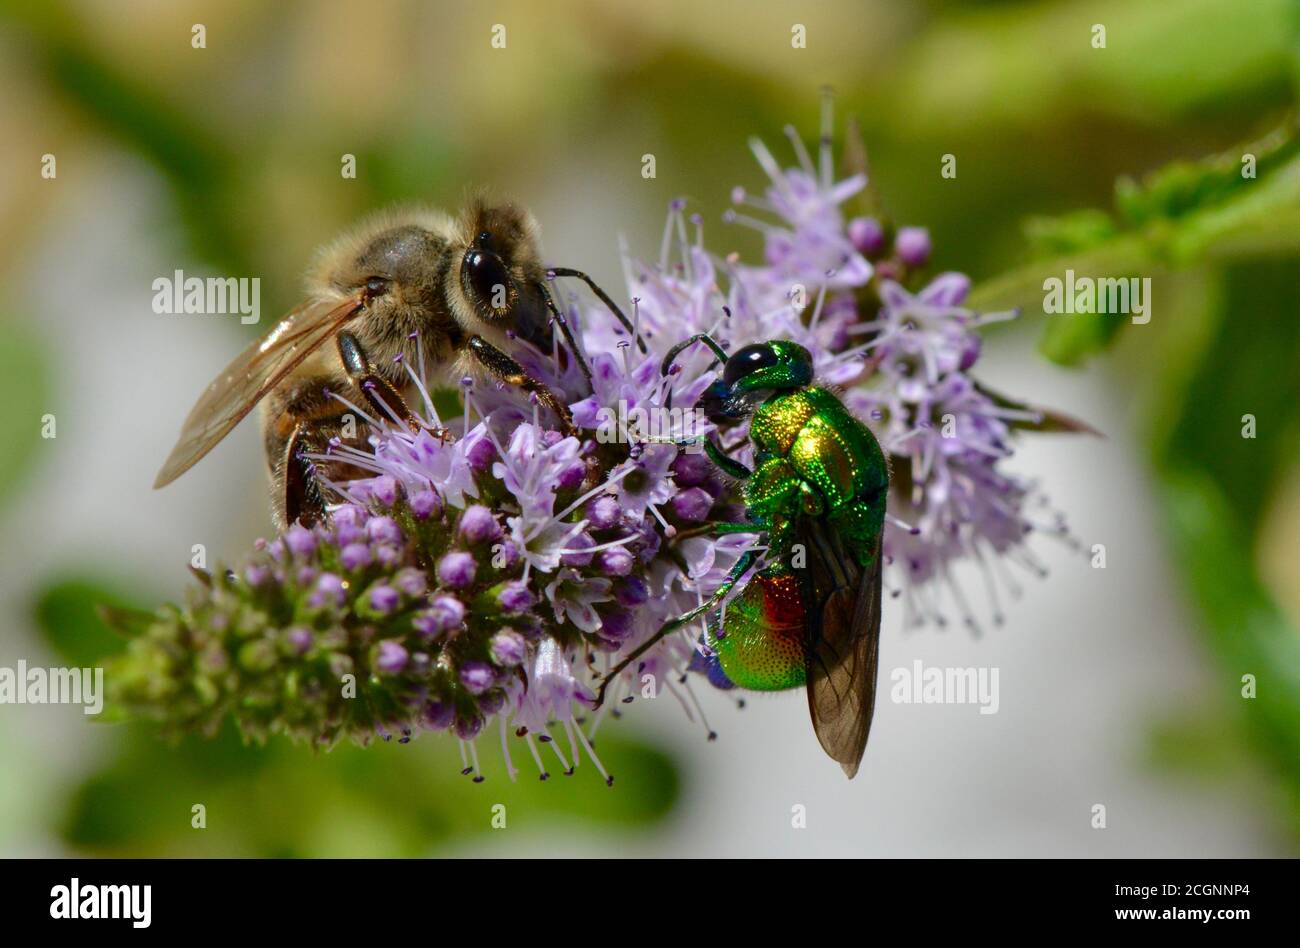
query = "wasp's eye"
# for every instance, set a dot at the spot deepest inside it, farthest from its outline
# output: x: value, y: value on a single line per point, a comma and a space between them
x: 487, y: 281
x: 748, y: 360
x: 376, y: 286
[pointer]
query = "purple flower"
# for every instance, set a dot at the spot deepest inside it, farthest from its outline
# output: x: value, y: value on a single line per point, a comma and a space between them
x: 299, y: 639
x: 438, y: 715
x: 477, y: 524
x: 329, y: 591
x: 481, y: 454
x: 391, y: 658
x: 645, y: 482
x: 444, y: 614
x: 867, y: 235
x: 425, y: 504
x: 508, y: 648
x: 912, y: 245
x: 477, y: 677
x: 383, y: 530
x: 552, y: 689
x: 300, y: 541
x: 615, y: 624
x: 355, y: 556
x: 693, y: 504
x: 632, y: 591
x: 411, y: 582
x: 456, y: 570
x: 692, y: 470
x: 573, y: 598
x: 577, y: 554
x: 604, y: 512
x: 616, y: 561
x: 515, y: 596
x: 383, y: 598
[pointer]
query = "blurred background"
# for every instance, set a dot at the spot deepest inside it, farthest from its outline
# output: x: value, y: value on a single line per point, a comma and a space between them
x: 1119, y: 686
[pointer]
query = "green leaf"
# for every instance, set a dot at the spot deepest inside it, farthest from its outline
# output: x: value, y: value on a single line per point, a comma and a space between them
x: 1049, y: 420
x: 69, y: 615
x: 1182, y: 215
x: 25, y: 393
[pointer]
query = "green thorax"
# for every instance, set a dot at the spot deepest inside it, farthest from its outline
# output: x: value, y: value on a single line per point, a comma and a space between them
x: 813, y: 458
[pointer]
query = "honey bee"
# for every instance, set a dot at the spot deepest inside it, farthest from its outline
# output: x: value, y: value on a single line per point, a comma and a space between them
x: 461, y: 286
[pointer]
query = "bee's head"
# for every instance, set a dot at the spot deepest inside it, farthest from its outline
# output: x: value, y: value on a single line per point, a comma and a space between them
x: 499, y: 276
x: 754, y: 374
x: 478, y: 271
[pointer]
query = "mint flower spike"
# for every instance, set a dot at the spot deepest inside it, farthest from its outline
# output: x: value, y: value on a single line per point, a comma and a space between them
x: 482, y: 585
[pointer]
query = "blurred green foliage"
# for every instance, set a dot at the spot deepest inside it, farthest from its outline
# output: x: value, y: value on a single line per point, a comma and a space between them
x: 25, y: 394
x: 388, y: 800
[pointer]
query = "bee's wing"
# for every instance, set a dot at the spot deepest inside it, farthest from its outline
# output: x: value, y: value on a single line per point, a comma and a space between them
x: 843, y: 645
x: 252, y: 374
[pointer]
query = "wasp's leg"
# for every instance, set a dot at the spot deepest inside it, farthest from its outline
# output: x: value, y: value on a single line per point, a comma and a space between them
x: 741, y: 567
x: 728, y: 465
x: 512, y: 373
x: 604, y: 298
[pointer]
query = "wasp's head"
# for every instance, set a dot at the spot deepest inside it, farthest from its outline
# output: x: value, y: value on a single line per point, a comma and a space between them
x: 752, y: 375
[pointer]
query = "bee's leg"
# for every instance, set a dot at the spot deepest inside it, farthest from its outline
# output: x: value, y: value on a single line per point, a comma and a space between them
x: 557, y: 317
x: 382, y: 396
x: 302, y: 500
x: 604, y: 298
x: 742, y: 566
x: 512, y: 373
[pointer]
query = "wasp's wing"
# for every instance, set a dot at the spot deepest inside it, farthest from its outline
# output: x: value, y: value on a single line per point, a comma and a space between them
x: 252, y: 374
x: 843, y: 645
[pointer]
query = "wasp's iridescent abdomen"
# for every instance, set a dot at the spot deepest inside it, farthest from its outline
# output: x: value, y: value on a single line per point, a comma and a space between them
x: 762, y: 646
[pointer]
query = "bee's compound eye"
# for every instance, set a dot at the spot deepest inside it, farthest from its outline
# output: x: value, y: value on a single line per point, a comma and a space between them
x: 487, y: 281
x: 376, y: 286
x: 748, y: 360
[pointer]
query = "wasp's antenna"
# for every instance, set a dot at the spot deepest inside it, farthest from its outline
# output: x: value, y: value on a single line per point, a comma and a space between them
x: 676, y: 350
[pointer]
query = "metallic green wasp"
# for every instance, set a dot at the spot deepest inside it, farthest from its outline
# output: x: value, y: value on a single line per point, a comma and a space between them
x: 810, y: 616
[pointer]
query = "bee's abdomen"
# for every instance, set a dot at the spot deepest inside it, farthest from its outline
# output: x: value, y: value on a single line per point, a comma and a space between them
x: 761, y: 647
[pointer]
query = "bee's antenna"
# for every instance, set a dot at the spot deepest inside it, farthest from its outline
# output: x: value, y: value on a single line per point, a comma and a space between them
x: 604, y: 298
